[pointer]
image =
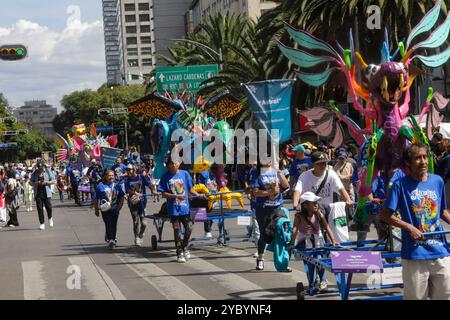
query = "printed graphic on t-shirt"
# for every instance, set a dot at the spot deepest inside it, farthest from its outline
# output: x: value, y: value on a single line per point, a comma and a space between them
x: 302, y: 168
x: 269, y: 183
x: 426, y: 211
x: 177, y: 187
x: 325, y: 192
x: 212, y: 186
x: 111, y: 194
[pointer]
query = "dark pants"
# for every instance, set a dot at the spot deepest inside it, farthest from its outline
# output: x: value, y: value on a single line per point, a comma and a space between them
x: 110, y: 219
x: 139, y: 225
x: 176, y: 224
x: 40, y: 203
x: 12, y: 212
x: 75, y: 193
x: 263, y: 216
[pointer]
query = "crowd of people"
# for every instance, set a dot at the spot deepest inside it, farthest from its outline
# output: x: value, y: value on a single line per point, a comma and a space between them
x: 322, y: 182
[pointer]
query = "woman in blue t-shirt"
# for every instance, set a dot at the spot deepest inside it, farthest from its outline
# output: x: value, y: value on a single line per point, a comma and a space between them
x: 109, y: 201
x: 266, y: 186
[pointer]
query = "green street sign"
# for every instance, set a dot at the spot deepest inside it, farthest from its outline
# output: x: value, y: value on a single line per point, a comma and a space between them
x: 184, y: 78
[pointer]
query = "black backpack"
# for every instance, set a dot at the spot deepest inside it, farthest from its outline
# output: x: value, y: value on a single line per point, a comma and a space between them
x: 269, y: 232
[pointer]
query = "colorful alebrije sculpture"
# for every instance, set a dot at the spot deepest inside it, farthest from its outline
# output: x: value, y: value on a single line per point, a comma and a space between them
x: 385, y: 91
x: 194, y: 115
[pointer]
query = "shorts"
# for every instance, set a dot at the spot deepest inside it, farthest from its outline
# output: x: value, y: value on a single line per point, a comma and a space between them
x: 183, y: 218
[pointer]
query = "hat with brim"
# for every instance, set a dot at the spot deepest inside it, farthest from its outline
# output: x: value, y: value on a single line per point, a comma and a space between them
x: 318, y: 157
x: 299, y: 148
x: 309, y: 196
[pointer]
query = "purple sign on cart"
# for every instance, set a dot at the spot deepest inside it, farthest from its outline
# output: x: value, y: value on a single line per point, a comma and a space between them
x: 356, y: 261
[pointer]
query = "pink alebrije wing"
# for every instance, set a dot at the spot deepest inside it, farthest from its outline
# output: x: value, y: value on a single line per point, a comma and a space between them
x: 113, y: 140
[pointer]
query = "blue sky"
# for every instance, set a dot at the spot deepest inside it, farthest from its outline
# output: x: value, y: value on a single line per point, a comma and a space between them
x: 51, y: 13
x: 66, y: 49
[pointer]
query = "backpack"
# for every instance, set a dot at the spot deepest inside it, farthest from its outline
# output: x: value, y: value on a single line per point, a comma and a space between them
x: 269, y: 232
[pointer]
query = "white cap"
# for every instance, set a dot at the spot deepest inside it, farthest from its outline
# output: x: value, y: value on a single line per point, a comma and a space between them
x: 444, y: 129
x: 309, y: 196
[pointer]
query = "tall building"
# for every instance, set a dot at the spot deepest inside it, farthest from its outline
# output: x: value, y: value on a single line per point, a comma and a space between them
x: 202, y: 9
x: 169, y: 23
x: 115, y: 72
x: 129, y: 40
x: 137, y: 39
x: 38, y: 115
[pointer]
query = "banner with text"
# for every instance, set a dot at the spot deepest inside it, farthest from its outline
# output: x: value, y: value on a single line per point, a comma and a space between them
x: 109, y: 156
x: 270, y: 101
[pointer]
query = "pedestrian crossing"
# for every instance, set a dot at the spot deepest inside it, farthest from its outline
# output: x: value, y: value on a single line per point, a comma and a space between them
x: 157, y: 274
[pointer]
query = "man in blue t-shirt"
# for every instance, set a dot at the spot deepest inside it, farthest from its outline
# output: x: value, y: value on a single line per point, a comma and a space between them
x: 72, y: 182
x: 300, y: 164
x: 119, y: 170
x: 420, y: 199
x: 176, y: 185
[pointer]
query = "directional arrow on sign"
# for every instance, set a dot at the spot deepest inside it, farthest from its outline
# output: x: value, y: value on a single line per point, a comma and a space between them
x: 161, y: 77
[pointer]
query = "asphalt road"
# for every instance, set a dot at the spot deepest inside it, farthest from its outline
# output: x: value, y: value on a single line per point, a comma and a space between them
x: 71, y: 262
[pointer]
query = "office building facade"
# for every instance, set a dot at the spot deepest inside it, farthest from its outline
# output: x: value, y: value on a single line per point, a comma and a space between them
x: 38, y: 115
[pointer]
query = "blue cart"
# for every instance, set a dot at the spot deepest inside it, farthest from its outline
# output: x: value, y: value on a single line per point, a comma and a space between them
x: 312, y: 262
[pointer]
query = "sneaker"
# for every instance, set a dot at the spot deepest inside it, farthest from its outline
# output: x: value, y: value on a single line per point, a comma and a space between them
x: 50, y: 222
x: 181, y: 259
x: 323, y: 286
x: 259, y: 264
x: 138, y: 242
x: 186, y: 254
x: 112, y: 244
x: 208, y: 235
x: 11, y: 226
x: 42, y: 227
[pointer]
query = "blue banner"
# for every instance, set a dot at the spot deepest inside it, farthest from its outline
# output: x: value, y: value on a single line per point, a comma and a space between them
x: 104, y: 128
x: 271, y: 103
x: 109, y: 156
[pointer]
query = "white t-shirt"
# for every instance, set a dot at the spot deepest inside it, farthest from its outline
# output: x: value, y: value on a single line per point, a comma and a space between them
x: 309, y: 182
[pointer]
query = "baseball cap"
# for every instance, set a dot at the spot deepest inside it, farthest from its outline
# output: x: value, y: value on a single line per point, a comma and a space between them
x: 309, y: 196
x: 342, y: 154
x: 298, y: 147
x: 130, y: 166
x: 318, y: 157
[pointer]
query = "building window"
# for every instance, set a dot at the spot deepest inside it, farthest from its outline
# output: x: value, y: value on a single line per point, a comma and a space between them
x: 131, y: 29
x: 146, y: 62
x: 131, y: 40
x: 146, y: 50
x: 145, y: 29
x: 144, y: 6
x: 133, y: 63
x: 132, y: 51
x: 130, y: 7
x: 134, y: 77
x: 130, y: 18
x: 146, y: 40
x: 144, y: 17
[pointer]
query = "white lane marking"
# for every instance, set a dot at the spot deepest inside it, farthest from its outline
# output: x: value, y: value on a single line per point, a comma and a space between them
x: 97, y: 282
x: 34, y: 285
x: 167, y: 285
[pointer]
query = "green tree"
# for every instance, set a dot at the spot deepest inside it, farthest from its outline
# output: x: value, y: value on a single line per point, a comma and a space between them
x: 31, y: 145
x: 82, y: 107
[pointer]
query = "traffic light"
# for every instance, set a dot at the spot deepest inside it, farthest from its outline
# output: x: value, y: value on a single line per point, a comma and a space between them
x: 13, y: 52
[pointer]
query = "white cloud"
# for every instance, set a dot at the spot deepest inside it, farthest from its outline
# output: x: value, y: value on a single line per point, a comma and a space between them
x: 58, y: 62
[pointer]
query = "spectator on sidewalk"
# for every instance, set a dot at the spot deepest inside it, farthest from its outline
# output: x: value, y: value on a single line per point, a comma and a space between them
x: 42, y: 179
